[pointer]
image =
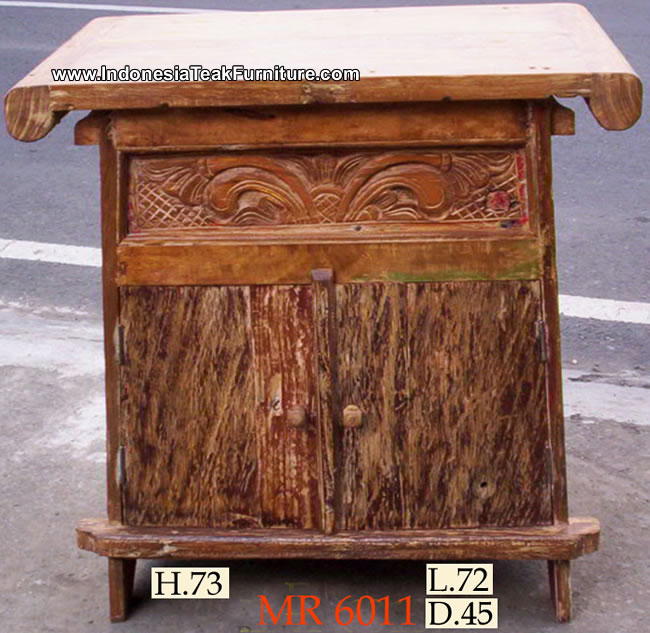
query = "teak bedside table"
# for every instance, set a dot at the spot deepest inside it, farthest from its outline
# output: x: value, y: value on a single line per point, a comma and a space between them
x: 331, y: 319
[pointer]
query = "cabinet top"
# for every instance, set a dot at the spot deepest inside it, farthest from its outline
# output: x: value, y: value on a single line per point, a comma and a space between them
x: 404, y: 54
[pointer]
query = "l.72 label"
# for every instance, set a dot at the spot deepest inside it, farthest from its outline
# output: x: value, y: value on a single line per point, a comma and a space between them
x: 463, y: 579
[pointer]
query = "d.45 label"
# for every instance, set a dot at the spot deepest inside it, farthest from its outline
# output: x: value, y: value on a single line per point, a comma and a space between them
x: 460, y: 613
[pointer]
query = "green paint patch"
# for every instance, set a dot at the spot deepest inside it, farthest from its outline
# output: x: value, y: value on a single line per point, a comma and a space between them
x: 439, y: 275
x: 519, y: 259
x: 523, y: 270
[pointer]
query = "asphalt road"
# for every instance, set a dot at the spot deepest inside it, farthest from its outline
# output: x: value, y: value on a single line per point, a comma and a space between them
x: 49, y: 190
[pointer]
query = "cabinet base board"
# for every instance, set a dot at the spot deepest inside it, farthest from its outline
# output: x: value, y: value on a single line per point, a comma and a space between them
x: 552, y: 542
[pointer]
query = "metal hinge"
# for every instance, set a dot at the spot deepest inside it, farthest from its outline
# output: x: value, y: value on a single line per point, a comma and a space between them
x: 120, y: 345
x: 542, y: 345
x: 120, y: 467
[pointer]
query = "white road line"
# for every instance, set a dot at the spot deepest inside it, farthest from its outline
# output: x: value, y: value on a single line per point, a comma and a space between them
x: 52, y: 253
x: 125, y: 8
x: 605, y: 309
x: 571, y: 306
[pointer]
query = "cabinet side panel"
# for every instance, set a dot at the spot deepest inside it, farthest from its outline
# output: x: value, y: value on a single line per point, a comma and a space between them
x: 371, y: 373
x: 541, y: 151
x: 283, y: 336
x: 477, y: 439
x: 187, y: 412
x: 110, y: 165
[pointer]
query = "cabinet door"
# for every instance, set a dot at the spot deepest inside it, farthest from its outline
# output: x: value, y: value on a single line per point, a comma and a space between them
x: 453, y: 394
x: 211, y: 382
x: 218, y: 407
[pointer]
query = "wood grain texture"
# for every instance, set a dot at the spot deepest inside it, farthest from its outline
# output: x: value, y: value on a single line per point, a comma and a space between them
x: 460, y: 123
x: 563, y: 120
x: 231, y: 190
x: 121, y: 574
x: 111, y: 180
x: 178, y: 260
x: 616, y: 100
x: 562, y: 542
x: 452, y: 389
x: 559, y: 572
x: 89, y: 130
x: 28, y: 114
x: 206, y: 395
x: 187, y: 417
x: 288, y: 467
x: 372, y: 368
x: 359, y: 233
x: 327, y: 394
x: 405, y: 54
x: 478, y: 425
x: 541, y: 125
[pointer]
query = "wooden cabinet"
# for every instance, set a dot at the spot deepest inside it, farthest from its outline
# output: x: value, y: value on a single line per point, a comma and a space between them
x: 331, y: 320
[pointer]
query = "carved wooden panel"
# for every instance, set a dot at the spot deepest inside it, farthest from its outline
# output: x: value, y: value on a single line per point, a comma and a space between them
x: 454, y: 428
x: 337, y: 186
x: 209, y: 383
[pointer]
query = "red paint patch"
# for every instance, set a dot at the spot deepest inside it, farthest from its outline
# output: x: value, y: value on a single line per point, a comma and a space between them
x: 498, y: 201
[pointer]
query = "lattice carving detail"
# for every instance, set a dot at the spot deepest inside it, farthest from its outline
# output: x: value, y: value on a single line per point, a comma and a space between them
x: 239, y: 189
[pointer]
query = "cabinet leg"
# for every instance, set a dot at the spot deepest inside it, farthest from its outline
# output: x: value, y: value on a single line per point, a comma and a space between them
x: 121, y: 573
x: 559, y: 576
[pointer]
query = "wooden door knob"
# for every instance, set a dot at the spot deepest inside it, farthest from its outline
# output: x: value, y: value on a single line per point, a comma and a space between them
x: 352, y: 416
x: 296, y: 415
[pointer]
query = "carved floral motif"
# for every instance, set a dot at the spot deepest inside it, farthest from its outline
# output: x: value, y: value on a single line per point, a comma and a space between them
x: 246, y: 189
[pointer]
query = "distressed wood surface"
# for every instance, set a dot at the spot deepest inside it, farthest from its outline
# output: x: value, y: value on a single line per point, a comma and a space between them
x: 188, y: 261
x: 567, y: 541
x: 357, y: 232
x: 541, y: 119
x: 559, y: 572
x: 90, y: 129
x: 188, y: 421
x: 453, y: 395
x: 480, y: 360
x: 121, y: 574
x: 372, y: 368
x: 206, y: 396
x: 402, y: 54
x: 28, y: 113
x: 327, y: 394
x: 288, y: 467
x: 232, y: 189
x: 563, y: 120
x: 460, y: 123
x: 111, y: 178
